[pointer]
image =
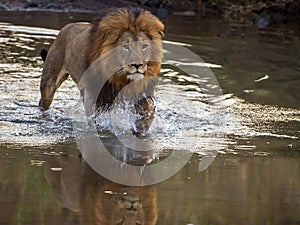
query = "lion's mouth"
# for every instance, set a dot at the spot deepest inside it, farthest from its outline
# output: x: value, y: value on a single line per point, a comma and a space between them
x: 135, y: 76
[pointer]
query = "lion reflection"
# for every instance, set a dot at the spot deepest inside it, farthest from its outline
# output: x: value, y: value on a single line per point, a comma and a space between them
x: 98, y: 201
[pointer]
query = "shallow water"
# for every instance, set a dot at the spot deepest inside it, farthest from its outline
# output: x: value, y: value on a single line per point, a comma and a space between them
x: 252, y: 127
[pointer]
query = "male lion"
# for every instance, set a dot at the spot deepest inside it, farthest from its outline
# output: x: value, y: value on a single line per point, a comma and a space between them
x: 122, y: 48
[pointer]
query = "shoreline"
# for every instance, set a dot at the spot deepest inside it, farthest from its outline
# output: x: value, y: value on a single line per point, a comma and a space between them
x: 55, y: 6
x: 270, y: 13
x: 270, y: 23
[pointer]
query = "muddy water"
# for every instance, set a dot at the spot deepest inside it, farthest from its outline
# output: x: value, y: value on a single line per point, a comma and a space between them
x: 252, y: 129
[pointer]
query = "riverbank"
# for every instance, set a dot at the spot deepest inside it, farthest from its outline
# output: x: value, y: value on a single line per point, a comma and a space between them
x: 264, y: 13
x: 57, y: 5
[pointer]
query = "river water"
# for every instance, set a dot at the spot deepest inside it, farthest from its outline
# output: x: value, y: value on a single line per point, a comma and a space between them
x: 244, y: 138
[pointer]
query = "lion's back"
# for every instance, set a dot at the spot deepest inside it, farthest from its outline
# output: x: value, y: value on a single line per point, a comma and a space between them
x: 74, y: 35
x: 71, y: 46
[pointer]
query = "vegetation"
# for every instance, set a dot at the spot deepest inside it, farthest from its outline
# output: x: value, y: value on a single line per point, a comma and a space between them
x: 244, y: 9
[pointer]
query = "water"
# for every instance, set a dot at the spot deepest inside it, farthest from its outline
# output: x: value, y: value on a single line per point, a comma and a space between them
x: 252, y: 129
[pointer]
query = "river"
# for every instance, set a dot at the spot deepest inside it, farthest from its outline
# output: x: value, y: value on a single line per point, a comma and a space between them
x: 243, y: 139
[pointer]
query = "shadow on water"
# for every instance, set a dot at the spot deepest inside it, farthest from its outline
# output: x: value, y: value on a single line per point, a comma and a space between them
x: 254, y: 128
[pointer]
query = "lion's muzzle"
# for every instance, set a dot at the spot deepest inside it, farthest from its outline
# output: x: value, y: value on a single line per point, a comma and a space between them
x: 137, y: 72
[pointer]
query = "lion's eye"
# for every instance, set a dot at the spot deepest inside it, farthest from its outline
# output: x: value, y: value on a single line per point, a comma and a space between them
x: 126, y: 48
x: 145, y: 46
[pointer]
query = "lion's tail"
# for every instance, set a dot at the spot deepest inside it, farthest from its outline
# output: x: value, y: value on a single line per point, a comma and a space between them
x: 43, y: 54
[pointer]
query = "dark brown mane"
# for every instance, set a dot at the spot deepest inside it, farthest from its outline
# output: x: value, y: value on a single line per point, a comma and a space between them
x: 114, y: 22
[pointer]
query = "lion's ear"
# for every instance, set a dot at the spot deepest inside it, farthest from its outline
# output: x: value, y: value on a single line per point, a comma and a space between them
x: 161, y: 33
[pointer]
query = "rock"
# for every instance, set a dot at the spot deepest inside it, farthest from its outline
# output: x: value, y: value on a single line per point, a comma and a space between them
x: 31, y: 5
x: 54, y: 6
x: 263, y: 19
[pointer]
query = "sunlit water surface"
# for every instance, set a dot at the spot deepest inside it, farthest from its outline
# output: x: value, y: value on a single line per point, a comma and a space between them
x: 252, y: 127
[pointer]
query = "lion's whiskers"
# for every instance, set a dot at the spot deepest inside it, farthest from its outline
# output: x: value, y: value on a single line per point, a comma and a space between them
x: 120, y: 72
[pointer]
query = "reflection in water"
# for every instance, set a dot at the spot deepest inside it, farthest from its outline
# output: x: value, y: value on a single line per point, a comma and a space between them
x: 235, y: 189
x: 79, y: 188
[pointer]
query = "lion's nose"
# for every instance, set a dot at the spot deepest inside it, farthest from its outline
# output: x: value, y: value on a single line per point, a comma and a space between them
x: 136, y: 65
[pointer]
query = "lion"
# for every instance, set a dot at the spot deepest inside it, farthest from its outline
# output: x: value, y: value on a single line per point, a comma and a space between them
x: 119, y: 53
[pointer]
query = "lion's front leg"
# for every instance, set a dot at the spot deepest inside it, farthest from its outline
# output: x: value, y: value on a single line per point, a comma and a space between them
x: 145, y: 108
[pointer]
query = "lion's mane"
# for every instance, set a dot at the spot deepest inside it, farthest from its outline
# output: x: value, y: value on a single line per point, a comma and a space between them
x: 104, y: 35
x: 108, y: 27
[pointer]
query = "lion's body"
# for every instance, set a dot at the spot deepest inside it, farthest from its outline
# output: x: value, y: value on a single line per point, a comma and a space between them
x: 67, y: 55
x: 79, y: 46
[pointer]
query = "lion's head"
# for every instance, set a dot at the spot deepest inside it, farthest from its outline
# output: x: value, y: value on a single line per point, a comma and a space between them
x: 128, y: 42
x: 123, y: 206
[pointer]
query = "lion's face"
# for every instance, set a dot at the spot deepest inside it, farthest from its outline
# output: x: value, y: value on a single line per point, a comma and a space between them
x: 131, y: 205
x: 133, y: 57
x: 134, y: 53
x: 129, y: 211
